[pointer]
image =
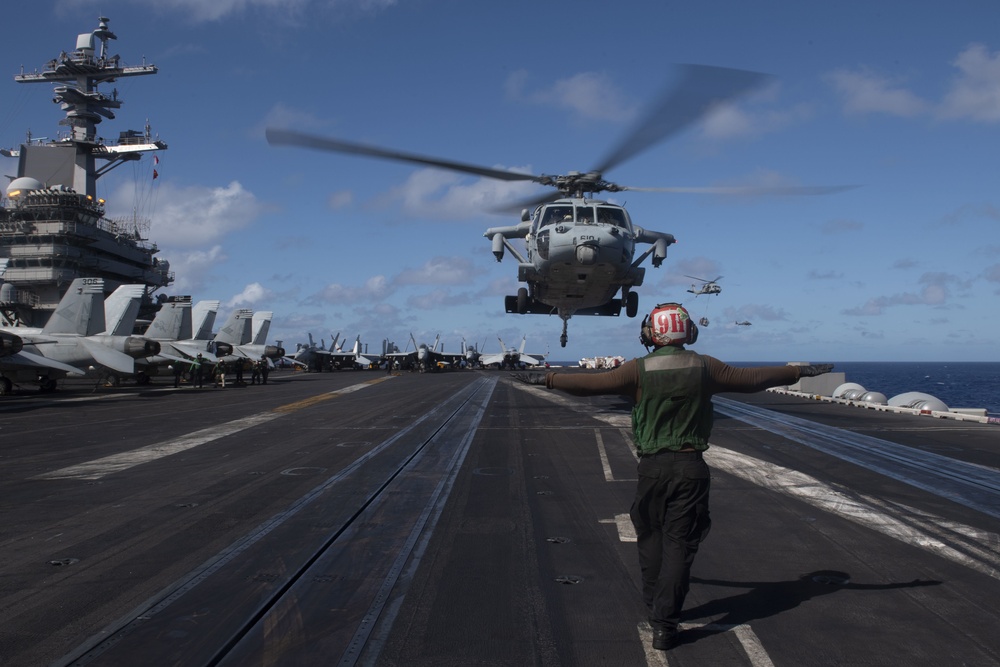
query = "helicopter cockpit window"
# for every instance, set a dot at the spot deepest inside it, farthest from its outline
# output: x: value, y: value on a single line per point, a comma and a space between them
x: 585, y: 214
x: 554, y: 214
x: 612, y: 216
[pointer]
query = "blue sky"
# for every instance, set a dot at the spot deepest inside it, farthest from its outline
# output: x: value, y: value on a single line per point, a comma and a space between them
x: 900, y: 98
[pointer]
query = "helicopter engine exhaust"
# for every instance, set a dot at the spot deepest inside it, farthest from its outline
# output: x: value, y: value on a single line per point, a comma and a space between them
x: 659, y: 251
x: 498, y: 246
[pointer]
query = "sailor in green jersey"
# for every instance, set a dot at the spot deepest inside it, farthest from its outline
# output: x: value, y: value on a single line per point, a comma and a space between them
x: 672, y: 390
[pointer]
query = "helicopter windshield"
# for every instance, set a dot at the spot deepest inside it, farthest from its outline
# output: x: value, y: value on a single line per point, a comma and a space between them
x: 612, y: 216
x: 585, y: 214
x: 554, y: 214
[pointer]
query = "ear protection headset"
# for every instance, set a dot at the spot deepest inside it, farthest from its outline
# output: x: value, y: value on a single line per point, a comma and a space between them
x: 668, y: 324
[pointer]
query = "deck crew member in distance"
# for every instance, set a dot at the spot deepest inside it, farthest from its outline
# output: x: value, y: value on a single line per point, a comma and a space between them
x: 671, y: 423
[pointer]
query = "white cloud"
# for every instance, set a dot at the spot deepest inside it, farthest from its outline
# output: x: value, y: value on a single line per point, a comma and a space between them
x: 438, y: 194
x: 197, y: 216
x: 193, y: 268
x: 438, y: 299
x: 251, y: 295
x: 201, y: 11
x: 340, y: 199
x: 975, y: 93
x: 865, y: 92
x: 730, y: 121
x: 589, y: 95
x: 935, y: 292
x: 375, y: 288
x: 439, y: 271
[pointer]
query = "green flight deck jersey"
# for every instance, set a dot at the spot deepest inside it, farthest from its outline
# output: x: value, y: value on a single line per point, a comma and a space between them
x: 672, y: 390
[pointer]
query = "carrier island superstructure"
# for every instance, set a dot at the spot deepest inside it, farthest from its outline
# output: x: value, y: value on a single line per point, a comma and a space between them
x: 53, y: 227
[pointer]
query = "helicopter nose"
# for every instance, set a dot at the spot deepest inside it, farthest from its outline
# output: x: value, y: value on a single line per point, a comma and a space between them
x: 586, y: 254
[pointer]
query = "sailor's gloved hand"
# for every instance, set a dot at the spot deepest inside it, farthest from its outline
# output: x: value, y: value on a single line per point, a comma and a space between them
x: 529, y: 378
x: 814, y: 369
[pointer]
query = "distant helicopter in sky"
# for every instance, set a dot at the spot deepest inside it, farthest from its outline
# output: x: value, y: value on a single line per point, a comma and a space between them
x: 706, y: 287
x: 581, y: 252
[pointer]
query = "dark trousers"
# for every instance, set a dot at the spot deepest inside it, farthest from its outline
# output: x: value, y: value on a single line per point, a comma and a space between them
x: 671, y: 518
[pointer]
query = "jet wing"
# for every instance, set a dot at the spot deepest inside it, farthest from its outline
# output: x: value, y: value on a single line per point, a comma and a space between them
x: 450, y: 358
x: 186, y: 350
x: 532, y: 360
x: 488, y: 359
x: 38, y: 361
x: 105, y: 356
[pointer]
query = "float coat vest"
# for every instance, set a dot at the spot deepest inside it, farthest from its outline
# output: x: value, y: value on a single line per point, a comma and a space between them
x: 675, y: 409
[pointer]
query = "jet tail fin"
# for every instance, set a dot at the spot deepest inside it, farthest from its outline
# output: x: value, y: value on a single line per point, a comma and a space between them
x: 261, y: 326
x: 171, y: 322
x: 203, y: 319
x: 81, y: 310
x: 236, y: 328
x: 122, y: 308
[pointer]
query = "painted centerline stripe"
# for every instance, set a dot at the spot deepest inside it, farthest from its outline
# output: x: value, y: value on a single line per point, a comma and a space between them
x: 99, y: 468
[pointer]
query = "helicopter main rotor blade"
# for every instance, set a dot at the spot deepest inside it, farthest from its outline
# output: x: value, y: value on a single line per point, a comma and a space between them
x: 750, y: 190
x: 291, y: 138
x: 700, y: 89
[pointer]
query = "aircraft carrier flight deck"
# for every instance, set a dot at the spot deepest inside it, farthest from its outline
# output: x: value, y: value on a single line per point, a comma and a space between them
x: 459, y: 518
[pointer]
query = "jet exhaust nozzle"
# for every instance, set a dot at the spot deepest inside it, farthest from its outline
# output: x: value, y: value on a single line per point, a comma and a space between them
x: 10, y: 344
x: 137, y: 348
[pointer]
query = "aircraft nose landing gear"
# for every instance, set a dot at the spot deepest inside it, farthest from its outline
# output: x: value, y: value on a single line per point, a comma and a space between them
x: 563, y: 338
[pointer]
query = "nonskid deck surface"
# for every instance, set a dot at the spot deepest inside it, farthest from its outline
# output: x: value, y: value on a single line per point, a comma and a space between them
x: 456, y: 518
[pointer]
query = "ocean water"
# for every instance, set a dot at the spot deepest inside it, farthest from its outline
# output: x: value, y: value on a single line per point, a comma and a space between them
x: 958, y: 384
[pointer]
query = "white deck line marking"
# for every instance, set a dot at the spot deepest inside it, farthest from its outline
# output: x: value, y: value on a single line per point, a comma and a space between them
x: 751, y: 644
x: 602, y: 452
x: 746, y: 636
x: 117, y: 462
x: 626, y: 531
x: 654, y: 657
x: 975, y: 549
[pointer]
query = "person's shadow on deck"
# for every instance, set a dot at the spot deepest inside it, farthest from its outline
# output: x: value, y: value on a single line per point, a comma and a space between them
x: 768, y: 598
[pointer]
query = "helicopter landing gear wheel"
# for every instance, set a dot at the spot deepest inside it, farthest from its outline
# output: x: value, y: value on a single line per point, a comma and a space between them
x: 522, y: 300
x: 631, y: 304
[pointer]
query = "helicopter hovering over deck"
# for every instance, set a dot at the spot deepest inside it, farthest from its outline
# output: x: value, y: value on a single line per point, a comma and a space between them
x: 706, y: 287
x: 580, y: 253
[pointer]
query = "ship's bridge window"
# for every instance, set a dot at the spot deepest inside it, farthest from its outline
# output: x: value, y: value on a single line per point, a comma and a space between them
x: 612, y: 216
x: 555, y: 214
